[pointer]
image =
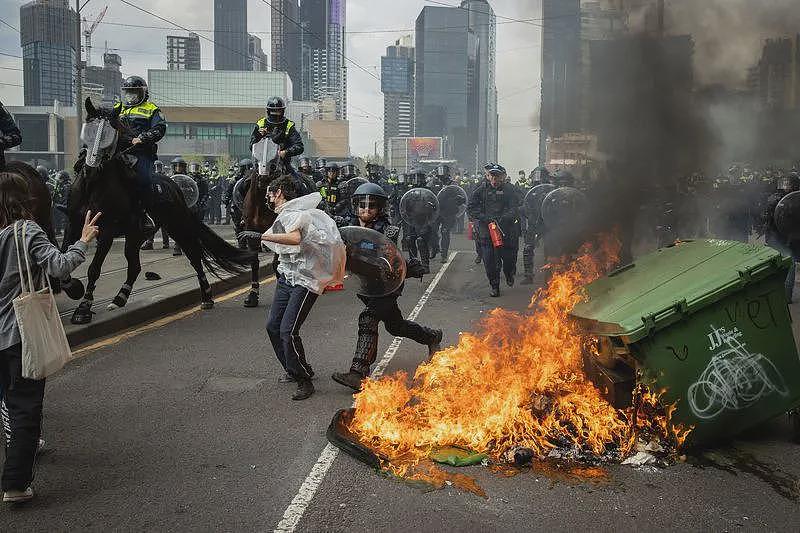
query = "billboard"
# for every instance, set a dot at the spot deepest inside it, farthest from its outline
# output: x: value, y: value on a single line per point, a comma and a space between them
x: 405, y: 152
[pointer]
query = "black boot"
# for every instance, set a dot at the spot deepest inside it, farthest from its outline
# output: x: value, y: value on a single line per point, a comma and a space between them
x: 350, y: 379
x: 304, y: 390
x: 252, y: 299
x: 495, y: 292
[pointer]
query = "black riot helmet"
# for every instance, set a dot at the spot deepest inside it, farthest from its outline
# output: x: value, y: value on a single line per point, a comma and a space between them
x: 178, y: 165
x: 245, y: 165
x: 443, y: 171
x: 564, y: 178
x: 417, y: 177
x: 276, y: 110
x: 62, y: 175
x: 369, y: 195
x: 305, y: 164
x: 158, y: 166
x: 331, y: 168
x: 320, y: 164
x: 43, y: 173
x: 134, y: 91
x: 349, y: 170
x: 194, y: 168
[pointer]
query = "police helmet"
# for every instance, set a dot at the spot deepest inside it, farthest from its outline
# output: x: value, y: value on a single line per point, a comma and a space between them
x: 349, y: 170
x: 305, y: 163
x: 62, y: 175
x: 178, y: 165
x: 369, y: 195
x: 158, y: 166
x: 320, y: 163
x: 788, y: 183
x: 276, y: 110
x: 245, y: 164
x: 194, y: 167
x: 443, y: 171
x: 43, y: 172
x: 331, y: 167
x: 134, y: 91
x: 564, y: 178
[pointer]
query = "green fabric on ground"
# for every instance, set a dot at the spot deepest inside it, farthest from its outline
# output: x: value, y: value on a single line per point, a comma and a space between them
x: 454, y: 456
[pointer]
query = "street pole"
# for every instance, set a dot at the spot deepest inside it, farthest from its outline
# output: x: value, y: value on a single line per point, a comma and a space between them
x: 78, y: 76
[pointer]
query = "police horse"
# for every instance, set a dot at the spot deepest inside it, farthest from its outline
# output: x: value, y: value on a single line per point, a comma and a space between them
x: 106, y: 182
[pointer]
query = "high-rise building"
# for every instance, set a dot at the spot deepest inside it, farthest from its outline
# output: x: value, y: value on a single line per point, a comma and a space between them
x: 230, y: 35
x: 324, y: 71
x: 397, y: 85
x: 447, y: 80
x: 183, y: 53
x: 257, y: 59
x: 482, y: 22
x: 108, y: 77
x: 286, y: 48
x: 49, y: 39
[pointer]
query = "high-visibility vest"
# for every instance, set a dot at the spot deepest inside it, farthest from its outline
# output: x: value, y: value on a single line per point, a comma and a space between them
x: 262, y: 123
x: 144, y: 110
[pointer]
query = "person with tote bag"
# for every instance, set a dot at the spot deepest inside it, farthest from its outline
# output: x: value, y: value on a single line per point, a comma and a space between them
x: 24, y: 246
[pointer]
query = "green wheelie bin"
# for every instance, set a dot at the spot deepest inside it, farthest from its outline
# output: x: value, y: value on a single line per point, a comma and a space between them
x: 705, y: 321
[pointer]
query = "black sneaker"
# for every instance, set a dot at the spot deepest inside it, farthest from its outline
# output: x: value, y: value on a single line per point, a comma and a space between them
x: 495, y: 292
x: 304, y: 390
x: 351, y: 379
x: 251, y: 300
x: 478, y: 259
x: 286, y: 378
x: 436, y: 344
x: 510, y: 280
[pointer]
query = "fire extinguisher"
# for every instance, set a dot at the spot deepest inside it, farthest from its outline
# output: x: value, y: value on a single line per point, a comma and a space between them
x: 470, y: 230
x: 496, y: 234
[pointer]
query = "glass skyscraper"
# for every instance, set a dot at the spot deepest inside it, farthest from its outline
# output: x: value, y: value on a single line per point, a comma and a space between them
x: 230, y: 35
x: 49, y: 39
x: 324, y: 71
x: 397, y: 85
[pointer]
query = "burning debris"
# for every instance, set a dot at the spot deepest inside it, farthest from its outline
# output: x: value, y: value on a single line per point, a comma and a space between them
x: 515, y: 390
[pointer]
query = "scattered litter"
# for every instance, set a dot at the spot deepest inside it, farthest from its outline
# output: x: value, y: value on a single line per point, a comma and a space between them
x: 640, y: 459
x: 455, y: 456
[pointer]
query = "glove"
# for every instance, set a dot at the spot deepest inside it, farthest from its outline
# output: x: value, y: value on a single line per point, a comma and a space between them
x: 245, y: 236
x: 414, y: 268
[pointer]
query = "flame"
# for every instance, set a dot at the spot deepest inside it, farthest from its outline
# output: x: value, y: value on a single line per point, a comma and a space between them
x: 516, y: 382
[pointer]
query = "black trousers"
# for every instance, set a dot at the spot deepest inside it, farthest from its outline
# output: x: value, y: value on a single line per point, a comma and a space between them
x: 497, y: 259
x: 22, y: 419
x: 384, y: 310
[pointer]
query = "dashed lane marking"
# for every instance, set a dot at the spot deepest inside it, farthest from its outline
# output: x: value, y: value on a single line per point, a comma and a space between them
x: 161, y: 322
x: 301, y: 501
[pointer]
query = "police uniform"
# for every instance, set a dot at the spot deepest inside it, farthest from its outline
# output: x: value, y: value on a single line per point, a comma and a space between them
x: 146, y: 122
x: 284, y: 135
x: 10, y: 136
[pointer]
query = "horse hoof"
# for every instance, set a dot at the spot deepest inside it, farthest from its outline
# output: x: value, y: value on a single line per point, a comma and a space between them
x: 82, y: 315
x: 74, y: 289
x: 207, y: 305
x: 251, y: 300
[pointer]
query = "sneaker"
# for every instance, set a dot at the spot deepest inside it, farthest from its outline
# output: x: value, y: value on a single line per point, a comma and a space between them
x: 436, y: 343
x: 304, y: 390
x: 18, y: 496
x: 286, y: 378
x: 350, y: 379
x: 510, y: 280
x: 478, y: 259
x: 495, y: 292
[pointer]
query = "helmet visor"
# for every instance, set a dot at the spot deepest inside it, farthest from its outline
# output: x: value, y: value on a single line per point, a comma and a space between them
x: 275, y: 116
x: 132, y: 96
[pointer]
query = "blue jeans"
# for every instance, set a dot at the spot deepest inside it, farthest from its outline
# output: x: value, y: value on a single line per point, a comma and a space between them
x: 290, y: 308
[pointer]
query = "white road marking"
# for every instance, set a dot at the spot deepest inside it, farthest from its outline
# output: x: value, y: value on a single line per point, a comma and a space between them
x: 301, y: 501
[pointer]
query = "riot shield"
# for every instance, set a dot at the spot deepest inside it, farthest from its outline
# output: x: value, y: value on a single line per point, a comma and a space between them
x: 191, y: 193
x: 239, y: 192
x: 349, y: 187
x: 262, y: 154
x: 787, y: 216
x: 419, y: 208
x: 565, y: 205
x: 534, y: 200
x: 100, y: 138
x: 452, y: 202
x: 375, y: 260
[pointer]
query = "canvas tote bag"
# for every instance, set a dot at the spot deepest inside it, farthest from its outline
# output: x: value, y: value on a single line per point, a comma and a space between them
x: 45, y: 349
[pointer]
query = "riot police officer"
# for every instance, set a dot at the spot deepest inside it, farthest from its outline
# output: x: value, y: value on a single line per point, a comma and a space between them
x: 143, y: 126
x: 444, y: 226
x: 417, y: 240
x: 349, y: 171
x: 329, y: 188
x: 369, y: 206
x: 10, y: 136
x: 217, y: 187
x: 496, y: 202
x: 783, y: 186
x: 279, y: 129
x: 309, y: 174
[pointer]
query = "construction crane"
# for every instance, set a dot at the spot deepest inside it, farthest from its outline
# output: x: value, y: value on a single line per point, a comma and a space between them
x: 88, y: 30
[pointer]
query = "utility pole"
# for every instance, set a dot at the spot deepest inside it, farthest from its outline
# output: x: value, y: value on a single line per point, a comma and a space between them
x: 78, y: 73
x: 660, y: 19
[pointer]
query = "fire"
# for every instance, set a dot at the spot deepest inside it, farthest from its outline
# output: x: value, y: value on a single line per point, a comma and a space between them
x: 517, y: 382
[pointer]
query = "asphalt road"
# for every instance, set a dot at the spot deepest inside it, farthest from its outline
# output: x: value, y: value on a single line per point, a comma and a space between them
x: 186, y: 428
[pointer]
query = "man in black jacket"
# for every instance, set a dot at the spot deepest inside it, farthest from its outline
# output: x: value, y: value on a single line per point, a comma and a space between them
x: 495, y: 201
x: 10, y: 135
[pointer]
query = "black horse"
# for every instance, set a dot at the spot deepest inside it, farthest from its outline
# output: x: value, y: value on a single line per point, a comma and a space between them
x: 106, y: 182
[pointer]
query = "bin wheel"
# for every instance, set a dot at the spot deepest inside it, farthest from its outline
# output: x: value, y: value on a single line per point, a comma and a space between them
x: 794, y: 420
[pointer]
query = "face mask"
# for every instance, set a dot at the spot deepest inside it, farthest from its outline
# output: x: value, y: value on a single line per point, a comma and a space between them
x: 131, y: 97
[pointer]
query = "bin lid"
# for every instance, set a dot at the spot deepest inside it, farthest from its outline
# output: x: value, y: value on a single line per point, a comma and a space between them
x: 662, y: 287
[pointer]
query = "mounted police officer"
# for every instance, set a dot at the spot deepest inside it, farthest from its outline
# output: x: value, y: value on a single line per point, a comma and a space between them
x: 279, y: 129
x: 142, y: 127
x: 10, y: 136
x: 369, y: 206
x: 498, y: 202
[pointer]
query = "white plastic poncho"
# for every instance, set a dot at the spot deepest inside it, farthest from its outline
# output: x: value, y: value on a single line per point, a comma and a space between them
x: 319, y: 260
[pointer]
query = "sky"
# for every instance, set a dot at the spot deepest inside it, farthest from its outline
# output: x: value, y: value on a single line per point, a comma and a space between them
x: 372, y: 26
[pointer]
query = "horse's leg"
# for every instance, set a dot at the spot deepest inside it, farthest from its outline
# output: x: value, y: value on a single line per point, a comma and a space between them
x: 255, y: 267
x: 132, y: 243
x: 194, y: 254
x: 83, y: 314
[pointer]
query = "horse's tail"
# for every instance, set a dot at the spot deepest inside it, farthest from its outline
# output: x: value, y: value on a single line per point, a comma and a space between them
x: 217, y: 254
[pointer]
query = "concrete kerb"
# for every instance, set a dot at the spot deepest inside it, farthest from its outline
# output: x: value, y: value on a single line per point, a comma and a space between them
x: 128, y: 317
